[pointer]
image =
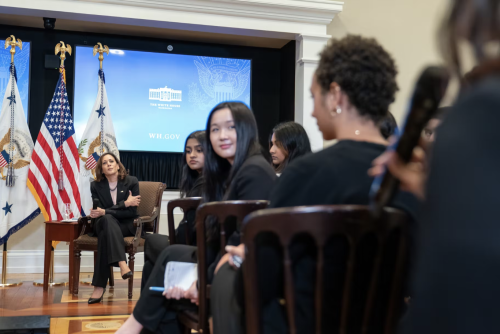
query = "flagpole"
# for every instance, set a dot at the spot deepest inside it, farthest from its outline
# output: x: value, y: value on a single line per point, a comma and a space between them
x: 12, y: 42
x: 5, y: 282
x: 62, y: 49
x: 52, y: 281
x: 99, y: 48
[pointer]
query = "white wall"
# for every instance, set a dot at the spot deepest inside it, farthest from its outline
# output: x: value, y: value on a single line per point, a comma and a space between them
x: 406, y: 28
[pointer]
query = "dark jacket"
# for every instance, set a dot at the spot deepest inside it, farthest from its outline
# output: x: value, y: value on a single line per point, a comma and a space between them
x: 457, y: 273
x: 254, y: 181
x: 189, y: 221
x: 126, y: 216
x: 335, y: 175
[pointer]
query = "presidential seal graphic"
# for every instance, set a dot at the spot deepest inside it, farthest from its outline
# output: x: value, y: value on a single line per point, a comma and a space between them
x: 19, y: 151
x: 94, y: 152
x: 220, y: 79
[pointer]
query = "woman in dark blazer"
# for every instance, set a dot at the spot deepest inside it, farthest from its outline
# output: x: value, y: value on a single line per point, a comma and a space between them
x: 118, y: 196
x: 234, y: 170
x: 191, y: 185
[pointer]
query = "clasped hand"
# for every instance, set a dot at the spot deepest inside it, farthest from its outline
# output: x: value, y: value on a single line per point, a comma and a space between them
x: 97, y: 213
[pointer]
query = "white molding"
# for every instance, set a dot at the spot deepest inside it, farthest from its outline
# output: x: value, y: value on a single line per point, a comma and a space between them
x: 308, y: 48
x: 31, y: 261
x: 308, y: 61
x: 261, y: 18
x: 322, y: 38
x: 290, y: 10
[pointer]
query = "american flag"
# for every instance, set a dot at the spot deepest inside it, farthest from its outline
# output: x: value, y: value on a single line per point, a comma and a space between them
x: 4, y: 158
x: 91, y: 162
x: 56, y: 155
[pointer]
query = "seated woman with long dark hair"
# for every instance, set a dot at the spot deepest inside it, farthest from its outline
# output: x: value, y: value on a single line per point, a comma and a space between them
x: 118, y: 195
x: 191, y: 185
x: 234, y: 170
x: 352, y: 89
x: 287, y: 142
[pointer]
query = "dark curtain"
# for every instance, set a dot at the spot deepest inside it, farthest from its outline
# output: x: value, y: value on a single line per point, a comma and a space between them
x: 149, y: 166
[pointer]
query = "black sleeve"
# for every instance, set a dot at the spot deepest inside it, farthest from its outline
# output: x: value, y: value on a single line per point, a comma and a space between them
x: 458, y: 254
x: 120, y: 211
x: 93, y: 193
x: 289, y: 187
x: 254, y: 183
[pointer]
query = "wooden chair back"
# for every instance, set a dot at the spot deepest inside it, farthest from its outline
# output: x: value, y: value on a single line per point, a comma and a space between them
x: 220, y: 211
x: 380, y: 311
x: 186, y: 204
x: 151, y: 195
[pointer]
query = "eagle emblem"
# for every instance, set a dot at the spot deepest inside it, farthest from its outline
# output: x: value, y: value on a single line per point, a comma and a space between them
x: 21, y: 153
x: 94, y: 152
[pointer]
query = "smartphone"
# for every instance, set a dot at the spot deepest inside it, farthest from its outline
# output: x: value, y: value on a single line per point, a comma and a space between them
x: 427, y: 95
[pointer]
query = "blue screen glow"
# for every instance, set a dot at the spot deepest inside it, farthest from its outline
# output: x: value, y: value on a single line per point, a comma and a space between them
x: 157, y: 99
x: 22, y: 62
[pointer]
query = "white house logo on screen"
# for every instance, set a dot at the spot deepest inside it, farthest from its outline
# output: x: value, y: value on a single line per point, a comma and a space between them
x: 165, y: 94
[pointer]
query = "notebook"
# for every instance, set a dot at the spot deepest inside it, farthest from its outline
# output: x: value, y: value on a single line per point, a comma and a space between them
x: 180, y: 274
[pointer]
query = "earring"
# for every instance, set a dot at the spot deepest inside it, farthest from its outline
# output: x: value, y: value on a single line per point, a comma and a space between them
x: 339, y: 110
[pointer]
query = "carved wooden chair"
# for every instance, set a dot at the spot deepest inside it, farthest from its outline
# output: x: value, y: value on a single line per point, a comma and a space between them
x: 186, y: 204
x: 148, y: 220
x: 369, y: 294
x: 220, y: 211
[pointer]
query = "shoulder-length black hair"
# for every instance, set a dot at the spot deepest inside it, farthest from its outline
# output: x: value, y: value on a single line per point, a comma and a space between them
x: 292, y: 139
x: 190, y: 176
x: 218, y: 172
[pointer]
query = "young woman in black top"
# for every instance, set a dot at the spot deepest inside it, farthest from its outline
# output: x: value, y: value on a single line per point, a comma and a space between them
x: 352, y: 89
x: 287, y: 142
x: 234, y: 170
x: 191, y: 185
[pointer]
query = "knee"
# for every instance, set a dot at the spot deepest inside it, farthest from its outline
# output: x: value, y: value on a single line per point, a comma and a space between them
x: 105, y: 220
x: 178, y: 253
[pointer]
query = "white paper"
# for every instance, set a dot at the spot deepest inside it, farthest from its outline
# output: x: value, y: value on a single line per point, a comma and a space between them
x: 72, y: 220
x: 180, y: 274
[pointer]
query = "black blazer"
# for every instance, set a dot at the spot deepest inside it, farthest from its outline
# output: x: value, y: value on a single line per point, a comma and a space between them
x: 100, y: 191
x: 254, y: 181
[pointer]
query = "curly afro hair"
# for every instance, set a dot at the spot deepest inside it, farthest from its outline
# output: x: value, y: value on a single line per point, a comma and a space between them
x: 363, y: 70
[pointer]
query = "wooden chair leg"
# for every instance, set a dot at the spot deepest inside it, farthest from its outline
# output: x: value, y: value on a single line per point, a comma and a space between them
x: 131, y: 259
x: 76, y: 271
x: 111, y: 277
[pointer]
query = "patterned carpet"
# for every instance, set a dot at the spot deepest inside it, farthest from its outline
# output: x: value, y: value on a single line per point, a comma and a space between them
x: 88, y: 325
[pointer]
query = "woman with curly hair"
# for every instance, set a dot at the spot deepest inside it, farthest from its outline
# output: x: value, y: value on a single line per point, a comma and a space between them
x: 352, y: 89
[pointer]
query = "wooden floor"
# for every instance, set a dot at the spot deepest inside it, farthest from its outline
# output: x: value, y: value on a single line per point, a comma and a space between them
x: 28, y: 299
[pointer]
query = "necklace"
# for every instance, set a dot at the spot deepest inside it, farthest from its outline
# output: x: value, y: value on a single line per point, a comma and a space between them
x: 114, y: 188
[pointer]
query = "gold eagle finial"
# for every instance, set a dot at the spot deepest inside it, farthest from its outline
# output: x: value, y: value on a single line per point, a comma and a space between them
x: 12, y: 42
x: 62, y: 48
x: 99, y: 48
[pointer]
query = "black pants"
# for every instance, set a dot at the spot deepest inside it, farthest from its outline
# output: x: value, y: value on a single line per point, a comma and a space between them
x: 226, y: 311
x: 110, y: 247
x: 153, y: 246
x: 156, y: 313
